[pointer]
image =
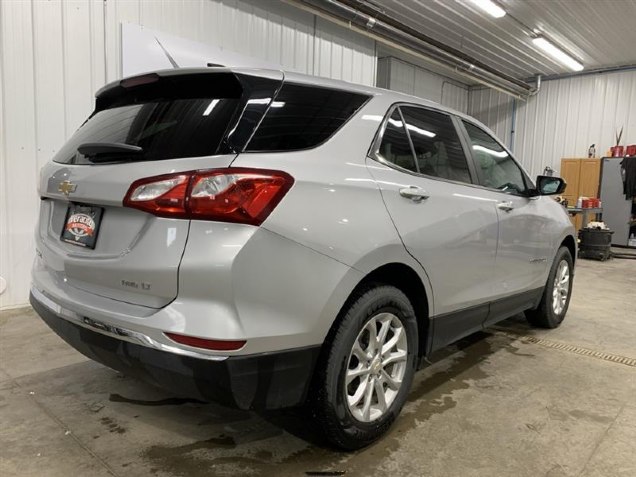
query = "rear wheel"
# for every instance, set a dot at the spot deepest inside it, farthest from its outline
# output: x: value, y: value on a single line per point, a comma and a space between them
x: 367, y: 369
x: 556, y: 296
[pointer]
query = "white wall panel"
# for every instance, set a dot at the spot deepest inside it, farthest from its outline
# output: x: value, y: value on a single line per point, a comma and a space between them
x: 343, y: 54
x: 407, y: 78
x: 493, y: 109
x: 564, y: 119
x: 48, y: 41
x: 78, y: 90
x: 55, y: 54
x: 19, y: 137
x: 454, y: 96
x: 273, y: 31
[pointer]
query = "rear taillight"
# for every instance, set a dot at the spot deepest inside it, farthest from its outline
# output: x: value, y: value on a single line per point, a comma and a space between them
x: 160, y: 195
x: 238, y: 195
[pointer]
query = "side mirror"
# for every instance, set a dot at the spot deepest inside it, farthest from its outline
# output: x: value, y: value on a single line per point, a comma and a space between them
x: 548, y: 185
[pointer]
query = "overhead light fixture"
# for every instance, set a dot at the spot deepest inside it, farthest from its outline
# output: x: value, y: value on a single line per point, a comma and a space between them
x: 490, y: 7
x: 557, y: 53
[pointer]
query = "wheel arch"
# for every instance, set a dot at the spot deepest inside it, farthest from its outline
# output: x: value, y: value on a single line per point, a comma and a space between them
x: 407, y: 280
x: 570, y: 243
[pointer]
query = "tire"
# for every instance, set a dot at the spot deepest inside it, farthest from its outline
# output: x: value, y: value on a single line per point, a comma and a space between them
x: 548, y: 314
x: 352, y: 426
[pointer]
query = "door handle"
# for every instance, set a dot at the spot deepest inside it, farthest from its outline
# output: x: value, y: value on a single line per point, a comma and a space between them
x: 507, y: 206
x: 416, y: 194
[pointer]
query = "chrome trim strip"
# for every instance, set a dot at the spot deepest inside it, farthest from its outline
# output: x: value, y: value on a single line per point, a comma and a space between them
x: 117, y: 332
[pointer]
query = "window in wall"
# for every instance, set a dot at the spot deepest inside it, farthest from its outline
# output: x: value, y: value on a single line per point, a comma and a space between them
x: 498, y: 168
x: 438, y: 151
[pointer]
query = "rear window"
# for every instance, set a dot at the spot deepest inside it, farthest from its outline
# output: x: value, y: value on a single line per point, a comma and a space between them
x: 165, y: 129
x: 302, y: 117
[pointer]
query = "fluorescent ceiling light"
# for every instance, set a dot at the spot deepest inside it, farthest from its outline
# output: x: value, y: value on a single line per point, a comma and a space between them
x: 557, y: 53
x: 490, y: 7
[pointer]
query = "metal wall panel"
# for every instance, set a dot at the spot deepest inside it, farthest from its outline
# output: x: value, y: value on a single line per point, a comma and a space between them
x: 275, y: 32
x: 454, y: 96
x: 18, y: 166
x: 408, y: 78
x: 493, y: 109
x: 54, y: 55
x: 343, y: 54
x: 564, y: 119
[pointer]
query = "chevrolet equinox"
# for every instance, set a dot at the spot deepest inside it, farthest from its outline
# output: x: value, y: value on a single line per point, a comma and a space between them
x: 265, y: 240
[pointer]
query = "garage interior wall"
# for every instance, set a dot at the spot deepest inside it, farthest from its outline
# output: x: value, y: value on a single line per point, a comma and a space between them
x: 400, y: 75
x: 563, y: 119
x: 55, y: 54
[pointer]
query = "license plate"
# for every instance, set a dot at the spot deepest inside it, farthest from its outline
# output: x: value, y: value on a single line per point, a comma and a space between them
x: 82, y: 225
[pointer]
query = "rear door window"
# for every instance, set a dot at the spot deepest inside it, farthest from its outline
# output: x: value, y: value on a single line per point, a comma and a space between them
x: 395, y: 147
x: 303, y: 117
x: 437, y: 147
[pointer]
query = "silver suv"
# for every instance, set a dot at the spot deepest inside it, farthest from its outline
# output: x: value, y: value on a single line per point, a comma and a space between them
x: 267, y: 240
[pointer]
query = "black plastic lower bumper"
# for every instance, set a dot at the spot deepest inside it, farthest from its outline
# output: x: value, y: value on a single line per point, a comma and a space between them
x: 261, y: 382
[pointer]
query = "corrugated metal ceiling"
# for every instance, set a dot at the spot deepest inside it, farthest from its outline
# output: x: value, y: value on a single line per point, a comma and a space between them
x: 599, y: 33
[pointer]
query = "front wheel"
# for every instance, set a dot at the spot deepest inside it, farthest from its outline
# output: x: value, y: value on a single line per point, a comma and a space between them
x: 557, y: 293
x: 367, y: 368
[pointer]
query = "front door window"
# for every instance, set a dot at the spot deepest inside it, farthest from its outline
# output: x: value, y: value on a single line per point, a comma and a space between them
x: 497, y: 168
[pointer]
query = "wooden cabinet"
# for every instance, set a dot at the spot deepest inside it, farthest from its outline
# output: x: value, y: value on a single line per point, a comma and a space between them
x: 583, y: 180
x: 590, y: 178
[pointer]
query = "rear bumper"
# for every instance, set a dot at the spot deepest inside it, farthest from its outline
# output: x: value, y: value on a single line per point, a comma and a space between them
x: 261, y: 381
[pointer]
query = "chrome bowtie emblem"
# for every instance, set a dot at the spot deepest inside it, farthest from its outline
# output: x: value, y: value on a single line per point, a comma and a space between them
x: 66, y: 187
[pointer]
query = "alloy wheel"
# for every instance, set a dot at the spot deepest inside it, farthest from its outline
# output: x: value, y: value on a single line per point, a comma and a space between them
x: 376, y: 367
x: 561, y: 288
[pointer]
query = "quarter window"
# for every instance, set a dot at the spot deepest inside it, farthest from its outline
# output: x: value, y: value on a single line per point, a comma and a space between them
x: 302, y: 117
x: 437, y: 148
x: 498, y: 170
x: 395, y: 147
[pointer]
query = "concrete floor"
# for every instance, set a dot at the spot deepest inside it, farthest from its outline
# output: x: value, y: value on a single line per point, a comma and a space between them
x: 509, y: 401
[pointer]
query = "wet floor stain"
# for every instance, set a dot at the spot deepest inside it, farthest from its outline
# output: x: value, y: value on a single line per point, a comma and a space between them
x: 226, y: 416
x: 112, y: 426
x: 326, y: 473
x: 591, y: 416
x: 174, y: 401
x: 577, y: 415
x: 297, y: 450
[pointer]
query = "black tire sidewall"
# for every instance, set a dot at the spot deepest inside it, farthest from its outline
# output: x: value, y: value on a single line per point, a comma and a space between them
x: 354, y: 433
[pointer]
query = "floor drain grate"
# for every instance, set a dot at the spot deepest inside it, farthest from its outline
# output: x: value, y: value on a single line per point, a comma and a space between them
x: 614, y: 358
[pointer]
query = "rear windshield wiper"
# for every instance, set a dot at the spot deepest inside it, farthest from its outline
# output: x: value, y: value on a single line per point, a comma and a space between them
x: 108, y: 151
